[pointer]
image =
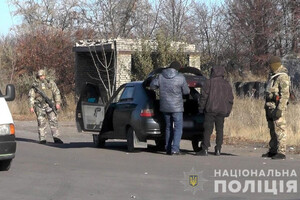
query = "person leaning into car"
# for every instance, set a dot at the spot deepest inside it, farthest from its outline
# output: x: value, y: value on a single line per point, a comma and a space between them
x: 172, y: 85
x: 216, y: 102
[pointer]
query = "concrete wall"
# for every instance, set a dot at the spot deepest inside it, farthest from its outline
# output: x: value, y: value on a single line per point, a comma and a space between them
x: 84, y: 66
x: 194, y: 61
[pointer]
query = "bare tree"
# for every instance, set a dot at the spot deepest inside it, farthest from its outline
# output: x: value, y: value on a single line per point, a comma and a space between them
x: 111, y: 18
x: 58, y: 14
x: 254, y: 24
x: 7, y: 59
x: 174, y: 18
x: 289, y: 32
x: 105, y: 65
x: 146, y: 18
x: 209, y: 32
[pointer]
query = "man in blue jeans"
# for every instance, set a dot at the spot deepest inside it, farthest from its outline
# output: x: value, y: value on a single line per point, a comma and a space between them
x: 172, y: 85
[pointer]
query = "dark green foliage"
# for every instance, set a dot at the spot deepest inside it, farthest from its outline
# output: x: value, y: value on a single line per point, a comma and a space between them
x: 156, y: 54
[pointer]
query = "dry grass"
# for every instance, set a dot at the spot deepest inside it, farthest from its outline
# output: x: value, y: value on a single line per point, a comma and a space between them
x: 246, y: 123
x: 20, y: 109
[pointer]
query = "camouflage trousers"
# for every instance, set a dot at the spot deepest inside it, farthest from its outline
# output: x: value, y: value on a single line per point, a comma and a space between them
x: 278, y: 134
x: 43, y: 116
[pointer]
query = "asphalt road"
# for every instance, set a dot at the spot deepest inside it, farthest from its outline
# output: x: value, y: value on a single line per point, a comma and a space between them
x: 78, y: 171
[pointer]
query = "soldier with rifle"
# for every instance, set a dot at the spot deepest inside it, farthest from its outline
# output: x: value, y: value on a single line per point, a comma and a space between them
x: 44, y: 101
x: 277, y: 97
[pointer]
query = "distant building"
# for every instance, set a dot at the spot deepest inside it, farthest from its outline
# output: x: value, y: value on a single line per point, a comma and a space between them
x: 89, y: 52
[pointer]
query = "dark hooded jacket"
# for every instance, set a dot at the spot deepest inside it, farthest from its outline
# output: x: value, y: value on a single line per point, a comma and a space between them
x: 172, y: 85
x: 216, y: 94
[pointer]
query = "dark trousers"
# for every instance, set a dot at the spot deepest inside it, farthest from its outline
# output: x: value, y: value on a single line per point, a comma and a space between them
x: 212, y: 119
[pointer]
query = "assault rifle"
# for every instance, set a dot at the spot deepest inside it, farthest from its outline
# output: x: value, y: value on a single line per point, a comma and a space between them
x: 47, y: 100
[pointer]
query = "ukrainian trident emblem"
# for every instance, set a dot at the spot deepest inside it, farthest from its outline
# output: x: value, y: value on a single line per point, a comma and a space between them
x: 193, y: 180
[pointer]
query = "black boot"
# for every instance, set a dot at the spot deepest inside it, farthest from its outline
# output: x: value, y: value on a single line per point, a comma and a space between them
x: 279, y: 156
x: 57, y: 140
x: 268, y: 155
x: 203, y: 152
x: 217, y: 151
x: 43, y: 142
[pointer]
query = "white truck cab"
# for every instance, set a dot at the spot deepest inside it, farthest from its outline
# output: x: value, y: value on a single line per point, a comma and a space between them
x: 7, y: 129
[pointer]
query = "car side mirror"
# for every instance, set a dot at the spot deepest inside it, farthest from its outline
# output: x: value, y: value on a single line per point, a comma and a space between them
x: 10, y: 92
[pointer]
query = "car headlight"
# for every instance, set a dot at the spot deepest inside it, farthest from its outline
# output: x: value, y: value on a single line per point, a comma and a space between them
x: 7, y: 129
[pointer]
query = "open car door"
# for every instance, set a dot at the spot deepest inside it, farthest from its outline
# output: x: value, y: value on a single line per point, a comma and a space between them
x: 90, y: 109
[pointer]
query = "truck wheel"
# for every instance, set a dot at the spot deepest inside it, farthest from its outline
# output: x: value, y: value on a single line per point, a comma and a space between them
x: 5, y: 165
x: 98, y: 141
x: 196, y: 144
x: 130, y: 139
x: 160, y: 145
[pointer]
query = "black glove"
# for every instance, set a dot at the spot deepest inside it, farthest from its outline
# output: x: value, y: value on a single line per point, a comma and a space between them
x: 277, y: 113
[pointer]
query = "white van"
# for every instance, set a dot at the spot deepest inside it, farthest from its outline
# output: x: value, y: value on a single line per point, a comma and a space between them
x: 7, y: 129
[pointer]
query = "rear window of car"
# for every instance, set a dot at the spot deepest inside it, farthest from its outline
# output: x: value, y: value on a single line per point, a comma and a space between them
x: 127, y: 93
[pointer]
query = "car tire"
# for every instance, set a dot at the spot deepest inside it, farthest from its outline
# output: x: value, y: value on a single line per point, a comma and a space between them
x: 130, y: 139
x: 160, y: 145
x: 196, y: 144
x: 5, y: 165
x: 98, y: 141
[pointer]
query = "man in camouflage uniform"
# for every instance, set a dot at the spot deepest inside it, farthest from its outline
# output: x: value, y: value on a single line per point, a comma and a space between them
x: 43, y: 111
x: 277, y: 96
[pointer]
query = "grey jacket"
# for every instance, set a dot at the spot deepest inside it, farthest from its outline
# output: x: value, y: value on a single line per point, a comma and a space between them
x: 172, y: 85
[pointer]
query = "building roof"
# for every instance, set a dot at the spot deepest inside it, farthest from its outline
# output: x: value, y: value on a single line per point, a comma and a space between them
x: 125, y: 45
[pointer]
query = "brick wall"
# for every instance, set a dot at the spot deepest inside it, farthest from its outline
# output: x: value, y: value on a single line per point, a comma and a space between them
x: 123, y: 69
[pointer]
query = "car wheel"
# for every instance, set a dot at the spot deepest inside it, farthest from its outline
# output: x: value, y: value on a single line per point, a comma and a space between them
x: 98, y: 141
x: 196, y: 144
x: 160, y: 145
x: 130, y: 139
x: 5, y: 165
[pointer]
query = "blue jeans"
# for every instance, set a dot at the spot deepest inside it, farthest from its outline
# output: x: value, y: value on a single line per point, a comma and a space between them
x: 173, y: 133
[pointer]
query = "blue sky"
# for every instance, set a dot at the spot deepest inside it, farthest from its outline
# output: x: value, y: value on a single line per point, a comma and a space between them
x: 6, y: 20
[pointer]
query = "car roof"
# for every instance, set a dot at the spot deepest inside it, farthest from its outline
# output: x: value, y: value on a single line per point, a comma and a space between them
x: 133, y: 83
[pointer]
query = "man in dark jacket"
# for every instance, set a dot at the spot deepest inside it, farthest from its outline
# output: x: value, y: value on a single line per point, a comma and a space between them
x: 216, y: 101
x: 172, y: 85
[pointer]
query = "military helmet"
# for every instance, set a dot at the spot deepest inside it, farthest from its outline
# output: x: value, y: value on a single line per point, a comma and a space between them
x: 41, y: 72
x: 275, y: 63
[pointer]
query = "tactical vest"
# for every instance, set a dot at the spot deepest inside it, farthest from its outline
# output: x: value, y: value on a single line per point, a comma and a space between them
x: 272, y: 91
x: 46, y: 87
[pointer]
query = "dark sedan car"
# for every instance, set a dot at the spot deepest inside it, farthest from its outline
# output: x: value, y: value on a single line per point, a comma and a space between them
x: 133, y: 113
